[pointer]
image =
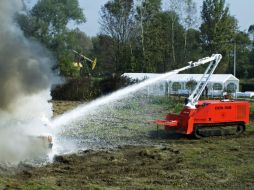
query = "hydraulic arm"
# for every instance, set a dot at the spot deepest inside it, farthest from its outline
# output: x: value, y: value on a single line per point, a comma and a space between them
x: 208, y: 117
x: 195, y: 95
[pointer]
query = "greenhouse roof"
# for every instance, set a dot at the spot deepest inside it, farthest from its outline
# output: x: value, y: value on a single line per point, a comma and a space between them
x: 220, y: 78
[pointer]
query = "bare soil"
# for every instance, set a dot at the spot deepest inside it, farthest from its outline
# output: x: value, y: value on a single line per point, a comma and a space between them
x: 174, y: 162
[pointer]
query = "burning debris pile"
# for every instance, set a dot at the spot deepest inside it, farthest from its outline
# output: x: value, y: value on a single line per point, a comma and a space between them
x: 25, y: 82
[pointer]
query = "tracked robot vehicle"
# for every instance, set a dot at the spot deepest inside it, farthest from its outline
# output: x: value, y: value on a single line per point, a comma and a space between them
x: 208, y: 117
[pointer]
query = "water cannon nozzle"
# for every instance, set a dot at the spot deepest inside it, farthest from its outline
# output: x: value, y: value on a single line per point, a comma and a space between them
x: 191, y: 63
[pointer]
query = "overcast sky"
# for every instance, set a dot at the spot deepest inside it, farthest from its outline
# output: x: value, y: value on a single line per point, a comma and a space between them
x: 243, y: 10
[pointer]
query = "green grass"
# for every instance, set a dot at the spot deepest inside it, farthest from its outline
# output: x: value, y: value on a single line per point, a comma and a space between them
x: 219, y: 163
x: 252, y: 108
x: 13, y: 185
x: 128, y: 121
x: 98, y: 187
x: 35, y: 186
x: 209, y: 163
x: 96, y: 79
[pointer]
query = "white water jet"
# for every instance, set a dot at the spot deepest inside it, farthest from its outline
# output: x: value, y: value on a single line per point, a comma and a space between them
x: 113, y: 120
x: 88, y: 108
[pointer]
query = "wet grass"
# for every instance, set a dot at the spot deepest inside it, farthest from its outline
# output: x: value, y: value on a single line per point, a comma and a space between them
x: 167, y: 162
x: 212, y: 163
x: 252, y: 110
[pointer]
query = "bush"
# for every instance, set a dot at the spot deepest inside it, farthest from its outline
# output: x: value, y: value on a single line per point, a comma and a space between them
x: 246, y: 86
x: 76, y: 89
x: 87, y: 88
x: 113, y: 83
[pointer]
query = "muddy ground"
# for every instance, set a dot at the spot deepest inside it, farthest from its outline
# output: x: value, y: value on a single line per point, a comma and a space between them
x: 173, y: 162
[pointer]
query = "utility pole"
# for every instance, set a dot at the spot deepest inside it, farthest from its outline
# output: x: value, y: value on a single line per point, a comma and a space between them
x: 235, y: 64
x: 235, y: 59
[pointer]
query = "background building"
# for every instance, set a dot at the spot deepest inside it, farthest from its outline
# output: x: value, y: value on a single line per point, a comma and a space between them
x: 183, y: 84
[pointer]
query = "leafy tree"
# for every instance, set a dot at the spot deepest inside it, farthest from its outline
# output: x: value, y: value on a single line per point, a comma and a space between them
x: 251, y: 57
x: 47, y: 22
x: 251, y: 64
x: 174, y: 6
x: 146, y: 11
x: 117, y: 22
x: 104, y: 50
x: 189, y: 22
x: 189, y: 14
x: 218, y: 29
x: 55, y: 15
x: 193, y: 49
x: 80, y: 42
x: 243, y: 67
x: 155, y: 46
x: 251, y: 31
x: 160, y: 40
x: 173, y: 40
x: 184, y: 15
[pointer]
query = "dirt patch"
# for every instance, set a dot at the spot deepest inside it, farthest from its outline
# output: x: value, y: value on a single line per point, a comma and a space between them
x: 60, y: 107
x: 213, y: 163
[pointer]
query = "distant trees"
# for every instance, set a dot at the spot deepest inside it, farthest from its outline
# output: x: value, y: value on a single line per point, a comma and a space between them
x: 146, y: 12
x: 103, y: 48
x: 251, y: 56
x: 189, y: 20
x: 147, y: 39
x: 78, y: 41
x: 47, y: 22
x: 117, y: 21
x: 242, y: 45
x: 251, y: 31
x: 138, y: 36
x: 218, y: 29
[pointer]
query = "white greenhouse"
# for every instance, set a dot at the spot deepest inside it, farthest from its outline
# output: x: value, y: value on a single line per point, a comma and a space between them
x: 179, y: 84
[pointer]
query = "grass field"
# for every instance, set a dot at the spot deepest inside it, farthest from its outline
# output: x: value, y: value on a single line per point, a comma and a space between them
x: 163, y: 162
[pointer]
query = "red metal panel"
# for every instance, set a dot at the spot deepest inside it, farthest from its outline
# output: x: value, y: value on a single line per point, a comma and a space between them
x: 221, y: 112
x: 207, y: 112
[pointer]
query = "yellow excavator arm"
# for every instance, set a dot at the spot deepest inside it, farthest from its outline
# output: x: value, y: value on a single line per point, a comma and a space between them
x: 93, y: 62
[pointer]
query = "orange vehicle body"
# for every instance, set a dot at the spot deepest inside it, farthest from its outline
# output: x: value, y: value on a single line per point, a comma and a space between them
x: 208, y: 113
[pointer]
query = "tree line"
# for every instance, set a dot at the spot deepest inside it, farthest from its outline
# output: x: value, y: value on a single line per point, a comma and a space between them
x: 140, y: 36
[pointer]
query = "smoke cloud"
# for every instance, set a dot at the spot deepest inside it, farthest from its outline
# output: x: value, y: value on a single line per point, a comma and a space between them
x: 24, y: 66
x: 25, y: 82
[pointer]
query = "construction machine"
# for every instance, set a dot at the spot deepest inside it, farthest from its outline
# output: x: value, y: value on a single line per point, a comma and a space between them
x: 82, y: 57
x: 203, y: 118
